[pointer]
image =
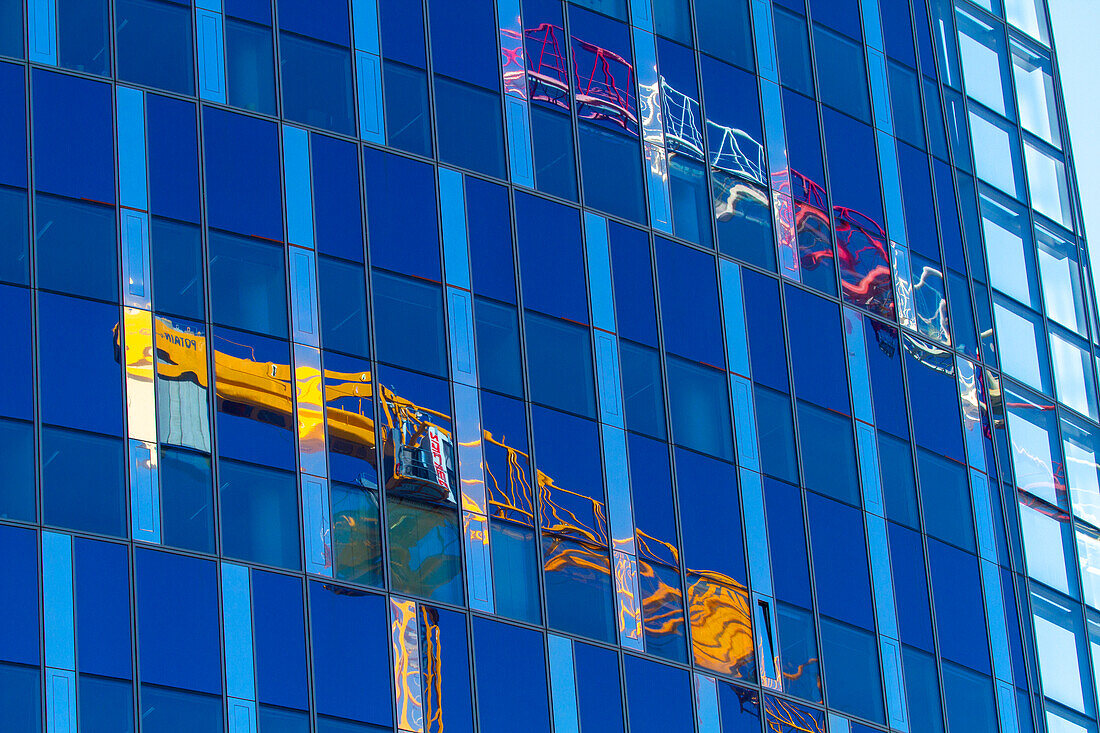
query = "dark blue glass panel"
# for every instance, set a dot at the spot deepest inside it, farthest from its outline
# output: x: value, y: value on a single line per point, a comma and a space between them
x: 165, y: 710
x: 765, y: 329
x: 842, y: 15
x: 817, y: 351
x: 559, y: 364
x: 177, y: 268
x: 259, y: 514
x: 257, y: 11
x: 402, y: 26
x: 445, y: 663
x: 945, y: 497
x: 699, y: 402
x: 248, y: 284
x: 11, y: 30
x: 77, y: 248
x: 350, y: 681
x: 897, y: 30
x: 173, y: 158
x: 709, y: 515
x: 88, y: 398
x: 278, y: 632
x: 775, y: 434
x: 803, y: 134
x: 552, y: 138
x: 401, y: 204
x: 612, y: 172
x: 16, y: 359
x: 74, y: 151
x: 724, y: 31
x: 186, y: 500
x: 511, y: 678
x: 659, y: 697
x: 357, y: 535
x: 643, y: 396
x: 920, y: 214
x: 342, y: 288
x: 497, y: 330
x: 467, y: 49
x: 851, y: 670
x: 489, y: 227
x: 101, y: 589
x: 515, y: 571
x: 179, y: 642
x: 950, y: 227
x: 96, y: 504
x: 910, y: 588
x: 828, y: 453
x: 969, y: 699
x: 898, y: 481
x: 551, y: 258
x: 17, y: 495
x: 106, y: 704
x: 651, y: 487
x: 632, y: 269
x: 154, y: 48
x: 408, y: 117
x: 841, y: 75
x: 337, y: 211
x: 469, y: 125
x: 905, y: 98
x: 316, y: 81
x: 567, y: 452
x: 14, y: 236
x: 277, y: 720
x: 250, y: 67
x: 787, y: 541
x: 960, y: 615
x: 408, y: 323
x: 689, y: 304
x: 598, y: 697
x: 840, y: 561
x: 20, y: 697
x: 922, y: 690
x: 243, y: 193
x: 578, y: 588
x: 83, y: 36
x: 798, y: 652
x: 740, y: 708
x: 13, y: 123
x: 510, y: 493
x: 19, y: 599
x: 326, y: 20
x: 793, y: 51
x: 887, y: 390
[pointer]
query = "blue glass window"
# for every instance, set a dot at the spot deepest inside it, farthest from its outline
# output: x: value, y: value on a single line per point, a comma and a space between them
x: 408, y: 322
x: 243, y: 193
x: 74, y: 137
x: 250, y: 65
x: 498, y: 356
x: 643, y: 395
x: 83, y: 36
x: 101, y: 586
x: 14, y: 231
x: 177, y: 268
x: 724, y: 30
x: 352, y: 682
x: 408, y: 118
x: 77, y: 248
x: 841, y: 75
x: 708, y: 511
x: 787, y: 542
x: 775, y: 434
x: 828, y: 452
x: 259, y: 514
x: 689, y: 304
x: 960, y: 615
x: 740, y: 708
x: 186, y: 500
x: 356, y: 533
x: 279, y: 640
x: 578, y: 588
x: 401, y: 205
x: 173, y: 158
x: 511, y: 678
x: 316, y: 82
x: 559, y: 364
x: 154, y: 44
x: 793, y: 51
x: 841, y: 577
x: 632, y: 270
x: 489, y: 226
x: 17, y: 494
x: 342, y: 288
x: 922, y: 690
x: 698, y: 398
x: 16, y: 365
x: 969, y: 699
x: 798, y: 652
x: 551, y: 258
x: 659, y: 697
x: 19, y: 583
x: 910, y: 588
x: 851, y: 669
x: 469, y: 122
x: 555, y: 166
x: 445, y: 662
x: 599, y: 700
x: 11, y: 32
x: 247, y: 284
x: 337, y: 210
x: 842, y: 15
x: 945, y: 497
x: 817, y: 351
x: 98, y: 502
x: 763, y: 320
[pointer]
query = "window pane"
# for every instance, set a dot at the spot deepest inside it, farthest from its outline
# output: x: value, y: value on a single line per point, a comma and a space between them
x: 259, y: 514
x: 154, y: 44
x: 316, y: 83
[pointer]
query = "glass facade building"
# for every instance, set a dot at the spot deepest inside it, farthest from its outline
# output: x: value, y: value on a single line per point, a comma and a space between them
x: 429, y: 366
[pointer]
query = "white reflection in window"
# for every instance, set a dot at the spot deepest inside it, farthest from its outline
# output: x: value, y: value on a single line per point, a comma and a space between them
x: 1073, y: 374
x: 1057, y: 629
x: 1046, y: 175
x: 1008, y: 248
x: 1021, y: 339
x: 996, y: 157
x: 1088, y: 552
x: 982, y: 48
x: 1061, y: 279
x: 1035, y: 92
x: 1046, y: 531
x: 1079, y: 444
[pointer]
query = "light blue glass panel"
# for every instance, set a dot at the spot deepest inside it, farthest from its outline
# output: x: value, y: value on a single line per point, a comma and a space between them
x: 57, y: 600
x: 456, y: 251
x: 318, y: 525
x: 365, y: 16
x: 995, y: 616
x: 756, y: 532
x: 461, y: 325
x: 744, y: 422
x: 242, y: 715
x: 144, y: 491
x: 656, y: 163
x: 298, y: 186
x: 60, y: 700
x: 880, y: 90
x: 891, y: 186
x: 599, y: 271
x: 733, y: 305
x: 479, y: 579
x: 882, y: 576
x: 608, y: 376
x: 971, y: 413
x: 616, y: 471
x: 368, y: 87
x: 211, y: 5
x: 519, y: 142
x: 903, y: 286
x: 838, y: 724
x: 869, y: 469
x: 983, y: 515
x: 470, y: 448
x: 135, y: 259
x: 240, y: 676
x: 132, y: 185
x: 649, y: 87
x: 872, y: 24
x: 42, y: 31
x: 765, y: 40
x: 858, y: 371
x: 896, y: 706
x: 303, y: 295
x: 706, y: 705
x: 627, y: 601
x: 776, y: 136
x: 641, y: 15
x: 211, y: 55
x: 563, y: 685
x: 1006, y: 707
